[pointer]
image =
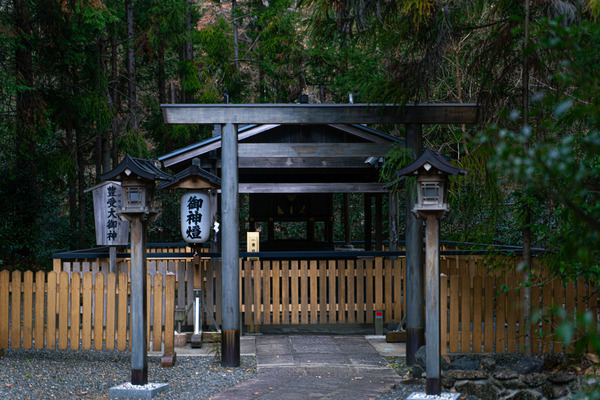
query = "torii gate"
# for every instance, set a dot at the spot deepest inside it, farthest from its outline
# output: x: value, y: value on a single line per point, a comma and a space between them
x: 229, y: 116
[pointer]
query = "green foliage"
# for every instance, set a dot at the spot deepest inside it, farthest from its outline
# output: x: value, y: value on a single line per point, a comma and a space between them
x: 557, y: 158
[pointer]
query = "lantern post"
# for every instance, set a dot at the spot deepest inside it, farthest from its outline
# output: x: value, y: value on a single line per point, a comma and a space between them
x: 197, y: 219
x: 138, y: 177
x: 432, y: 171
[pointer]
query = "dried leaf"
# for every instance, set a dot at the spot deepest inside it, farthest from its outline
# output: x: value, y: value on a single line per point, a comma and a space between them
x: 593, y: 358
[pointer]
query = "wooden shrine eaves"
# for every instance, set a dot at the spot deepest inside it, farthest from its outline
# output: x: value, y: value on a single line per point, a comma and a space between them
x: 320, y: 113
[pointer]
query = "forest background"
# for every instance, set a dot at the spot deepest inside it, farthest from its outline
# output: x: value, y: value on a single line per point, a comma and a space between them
x: 81, y: 82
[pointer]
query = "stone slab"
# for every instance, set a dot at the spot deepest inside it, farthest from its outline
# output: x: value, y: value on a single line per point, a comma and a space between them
x: 129, y: 391
x: 425, y: 396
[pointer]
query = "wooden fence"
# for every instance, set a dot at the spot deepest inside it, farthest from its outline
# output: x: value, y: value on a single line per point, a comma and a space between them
x: 70, y: 311
x: 479, y: 307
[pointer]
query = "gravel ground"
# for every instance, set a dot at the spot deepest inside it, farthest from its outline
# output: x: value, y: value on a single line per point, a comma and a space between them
x: 76, y: 374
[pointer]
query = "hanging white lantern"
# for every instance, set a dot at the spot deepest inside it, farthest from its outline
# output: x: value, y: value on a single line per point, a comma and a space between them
x: 195, y: 217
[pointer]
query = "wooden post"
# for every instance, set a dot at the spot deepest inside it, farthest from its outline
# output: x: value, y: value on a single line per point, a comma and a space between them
x: 378, y: 222
x: 230, y: 340
x: 347, y: 225
x: 112, y: 259
x: 393, y: 222
x: 368, y: 222
x: 139, y: 354
x: 415, y: 317
x: 432, y: 306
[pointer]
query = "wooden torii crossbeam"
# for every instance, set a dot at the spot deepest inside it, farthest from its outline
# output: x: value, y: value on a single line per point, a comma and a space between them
x: 231, y: 115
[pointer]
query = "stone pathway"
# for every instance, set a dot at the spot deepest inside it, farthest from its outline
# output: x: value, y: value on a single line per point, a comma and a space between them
x: 315, y: 367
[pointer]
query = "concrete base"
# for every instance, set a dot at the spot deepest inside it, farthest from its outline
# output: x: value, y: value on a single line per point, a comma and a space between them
x: 425, y: 396
x: 196, y: 341
x: 129, y: 391
x: 211, y: 337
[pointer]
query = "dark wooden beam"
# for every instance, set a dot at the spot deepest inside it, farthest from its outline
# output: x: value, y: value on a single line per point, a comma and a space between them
x: 320, y: 113
x: 304, y: 162
x: 320, y: 150
x: 312, y: 188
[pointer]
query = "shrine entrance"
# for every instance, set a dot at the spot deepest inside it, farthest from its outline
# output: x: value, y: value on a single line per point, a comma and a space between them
x: 290, y: 167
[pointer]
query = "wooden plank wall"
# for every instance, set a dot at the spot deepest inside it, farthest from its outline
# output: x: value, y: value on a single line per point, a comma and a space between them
x: 49, y: 310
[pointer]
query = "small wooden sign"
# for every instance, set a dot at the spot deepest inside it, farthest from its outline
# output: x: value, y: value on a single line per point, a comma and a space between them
x: 110, y: 230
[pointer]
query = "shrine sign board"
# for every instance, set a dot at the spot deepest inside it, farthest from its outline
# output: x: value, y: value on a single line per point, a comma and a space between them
x: 110, y: 229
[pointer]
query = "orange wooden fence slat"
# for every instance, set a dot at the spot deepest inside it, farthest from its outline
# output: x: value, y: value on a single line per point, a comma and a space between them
x: 122, y: 315
x: 314, y: 295
x: 304, y: 292
x: 350, y: 291
x: 511, y: 315
x: 331, y: 275
x: 169, y: 337
x: 454, y: 313
x: 535, y: 330
x: 500, y: 315
x: 322, y: 291
x: 294, y: 272
x: 276, y: 288
x: 63, y: 310
x: 570, y: 308
x: 558, y: 302
x: 387, y: 287
x: 465, y: 314
x: 51, y: 311
x: 488, y: 293
x: 477, y: 314
x: 39, y: 309
x: 285, y: 292
x: 257, y: 291
x: 4, y: 308
x: 341, y: 291
x: 86, y: 331
x: 99, y: 312
x: 111, y: 304
x: 75, y: 311
x: 369, y: 290
x: 27, y: 331
x: 360, y: 291
x: 158, y: 307
x: 266, y: 292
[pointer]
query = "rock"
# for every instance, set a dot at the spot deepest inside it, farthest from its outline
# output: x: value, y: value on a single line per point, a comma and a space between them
x: 560, y: 378
x: 554, y: 391
x: 505, y: 375
x: 552, y: 361
x: 464, y: 364
x: 417, y: 371
x: 534, y: 379
x: 525, y: 395
x: 488, y: 364
x: 421, y: 356
x: 447, y: 382
x: 528, y: 365
x: 576, y: 386
x: 514, y: 384
x: 421, y: 359
x: 484, y: 391
x: 465, y: 375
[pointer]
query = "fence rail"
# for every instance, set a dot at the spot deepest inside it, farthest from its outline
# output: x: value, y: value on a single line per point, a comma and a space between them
x: 72, y: 311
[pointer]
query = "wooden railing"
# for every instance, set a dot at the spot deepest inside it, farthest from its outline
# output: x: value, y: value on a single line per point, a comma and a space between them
x: 70, y: 311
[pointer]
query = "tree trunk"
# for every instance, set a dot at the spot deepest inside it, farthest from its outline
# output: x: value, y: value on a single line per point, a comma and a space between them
x: 131, y: 73
x: 527, y: 220
x: 115, y: 98
x: 80, y: 164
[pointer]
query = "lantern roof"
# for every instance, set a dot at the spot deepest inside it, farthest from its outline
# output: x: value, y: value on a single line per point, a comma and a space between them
x: 192, y: 177
x: 433, y: 159
x: 139, y: 167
